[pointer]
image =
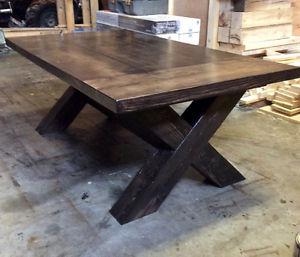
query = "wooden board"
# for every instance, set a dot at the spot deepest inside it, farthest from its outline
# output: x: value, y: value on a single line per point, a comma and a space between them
x: 284, y: 110
x: 268, y: 110
x: 295, y: 88
x: 86, y: 12
x: 223, y: 34
x: 70, y: 15
x: 61, y: 12
x: 258, y: 5
x: 289, y: 105
x: 240, y: 20
x: 26, y: 32
x: 288, y: 95
x: 259, y: 48
x: 94, y: 5
x: 225, y: 13
x: 128, y: 71
x: 296, y: 17
x: 245, y: 36
x: 212, y: 24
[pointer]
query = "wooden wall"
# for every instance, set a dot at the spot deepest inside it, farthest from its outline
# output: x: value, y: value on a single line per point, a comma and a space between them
x: 194, y: 9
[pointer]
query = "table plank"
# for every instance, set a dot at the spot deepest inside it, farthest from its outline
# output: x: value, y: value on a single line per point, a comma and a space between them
x: 126, y: 71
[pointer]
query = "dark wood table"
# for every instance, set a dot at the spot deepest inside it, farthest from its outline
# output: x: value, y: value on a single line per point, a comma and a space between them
x: 135, y: 78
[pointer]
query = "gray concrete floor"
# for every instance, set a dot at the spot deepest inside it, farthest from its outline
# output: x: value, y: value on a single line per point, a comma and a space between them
x: 42, y: 180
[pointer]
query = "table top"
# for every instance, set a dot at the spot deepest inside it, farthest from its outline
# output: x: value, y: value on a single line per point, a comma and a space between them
x: 127, y: 71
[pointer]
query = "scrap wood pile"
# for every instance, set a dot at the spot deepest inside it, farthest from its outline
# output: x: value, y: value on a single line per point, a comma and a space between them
x: 259, y: 94
x: 251, y: 27
x: 285, y: 97
x: 272, y: 91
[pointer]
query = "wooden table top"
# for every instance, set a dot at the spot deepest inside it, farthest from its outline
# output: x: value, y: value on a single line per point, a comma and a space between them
x: 127, y: 71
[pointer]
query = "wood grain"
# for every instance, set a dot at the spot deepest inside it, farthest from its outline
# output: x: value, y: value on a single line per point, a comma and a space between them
x: 63, y: 112
x: 156, y: 179
x: 126, y: 71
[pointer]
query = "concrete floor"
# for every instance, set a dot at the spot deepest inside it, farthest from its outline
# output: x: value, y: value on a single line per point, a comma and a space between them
x: 42, y: 180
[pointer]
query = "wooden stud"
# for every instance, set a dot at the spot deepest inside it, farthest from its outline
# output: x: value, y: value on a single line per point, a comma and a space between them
x: 212, y: 26
x: 70, y: 15
x: 86, y: 12
x: 61, y: 13
x: 94, y: 8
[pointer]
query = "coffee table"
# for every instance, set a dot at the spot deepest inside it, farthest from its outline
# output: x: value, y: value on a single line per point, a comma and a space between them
x: 134, y: 78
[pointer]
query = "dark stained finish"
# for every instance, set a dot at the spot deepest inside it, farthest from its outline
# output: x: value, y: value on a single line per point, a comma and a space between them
x: 195, y: 110
x: 216, y: 168
x: 63, y: 112
x: 164, y: 129
x: 127, y: 71
x: 155, y: 180
x: 134, y: 78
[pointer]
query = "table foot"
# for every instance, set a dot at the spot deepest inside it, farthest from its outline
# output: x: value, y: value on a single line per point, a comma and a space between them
x: 213, y: 166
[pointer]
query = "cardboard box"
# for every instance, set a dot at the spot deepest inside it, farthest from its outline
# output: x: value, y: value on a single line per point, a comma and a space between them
x: 176, y: 28
x: 148, y: 24
x: 107, y: 18
x: 187, y: 38
x: 152, y: 24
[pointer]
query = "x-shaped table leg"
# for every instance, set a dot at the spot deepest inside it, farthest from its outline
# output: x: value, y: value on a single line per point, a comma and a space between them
x: 165, y: 129
x: 158, y: 176
x: 180, y: 143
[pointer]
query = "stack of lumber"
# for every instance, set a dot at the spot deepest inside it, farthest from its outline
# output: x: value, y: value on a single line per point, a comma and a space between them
x: 286, y: 102
x: 286, y: 96
x: 259, y: 94
x: 251, y: 27
x: 287, y: 99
